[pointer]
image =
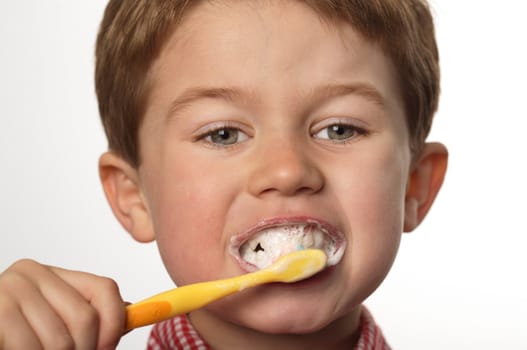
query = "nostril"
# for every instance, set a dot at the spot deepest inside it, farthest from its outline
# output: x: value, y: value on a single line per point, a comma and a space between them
x: 296, y: 177
x: 308, y: 190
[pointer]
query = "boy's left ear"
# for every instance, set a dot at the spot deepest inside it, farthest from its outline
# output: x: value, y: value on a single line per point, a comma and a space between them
x: 121, y: 185
x: 425, y: 180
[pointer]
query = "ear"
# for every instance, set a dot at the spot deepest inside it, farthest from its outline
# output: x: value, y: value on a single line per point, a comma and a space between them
x: 121, y: 185
x: 425, y: 180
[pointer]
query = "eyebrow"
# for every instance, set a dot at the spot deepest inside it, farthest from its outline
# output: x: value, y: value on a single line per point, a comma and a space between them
x: 365, y: 90
x: 319, y: 93
x: 197, y: 93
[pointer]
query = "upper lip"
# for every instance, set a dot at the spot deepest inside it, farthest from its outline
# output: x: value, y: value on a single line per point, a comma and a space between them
x: 239, y: 239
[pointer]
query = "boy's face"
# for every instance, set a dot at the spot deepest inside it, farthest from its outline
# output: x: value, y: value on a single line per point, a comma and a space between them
x: 261, y: 116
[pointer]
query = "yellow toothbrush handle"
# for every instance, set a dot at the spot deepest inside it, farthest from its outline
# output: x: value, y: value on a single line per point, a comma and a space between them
x: 138, y: 315
x: 184, y: 299
x: 290, y: 268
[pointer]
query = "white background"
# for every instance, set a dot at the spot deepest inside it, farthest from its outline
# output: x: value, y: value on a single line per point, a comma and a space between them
x: 459, y: 280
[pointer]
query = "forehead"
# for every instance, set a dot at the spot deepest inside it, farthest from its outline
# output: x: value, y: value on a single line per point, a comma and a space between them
x: 245, y: 43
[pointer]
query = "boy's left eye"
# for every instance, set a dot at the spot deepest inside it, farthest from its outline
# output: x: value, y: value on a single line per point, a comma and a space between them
x: 339, y: 132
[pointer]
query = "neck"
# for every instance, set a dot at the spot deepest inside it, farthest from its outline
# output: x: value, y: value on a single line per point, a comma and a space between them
x: 220, y: 334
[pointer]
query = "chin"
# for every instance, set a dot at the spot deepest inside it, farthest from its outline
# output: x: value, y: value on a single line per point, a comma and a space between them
x: 299, y: 323
x: 275, y: 313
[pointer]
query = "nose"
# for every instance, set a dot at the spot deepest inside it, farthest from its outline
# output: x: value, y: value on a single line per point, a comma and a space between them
x: 285, y: 169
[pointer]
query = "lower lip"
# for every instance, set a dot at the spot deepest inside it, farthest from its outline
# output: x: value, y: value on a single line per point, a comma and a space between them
x: 317, y: 279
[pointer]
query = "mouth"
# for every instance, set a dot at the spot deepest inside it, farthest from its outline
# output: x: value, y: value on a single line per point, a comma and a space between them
x: 267, y: 242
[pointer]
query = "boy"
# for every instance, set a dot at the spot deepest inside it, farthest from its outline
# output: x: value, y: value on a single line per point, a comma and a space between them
x: 234, y: 125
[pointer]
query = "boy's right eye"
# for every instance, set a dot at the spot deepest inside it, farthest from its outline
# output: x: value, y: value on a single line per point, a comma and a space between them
x: 224, y: 136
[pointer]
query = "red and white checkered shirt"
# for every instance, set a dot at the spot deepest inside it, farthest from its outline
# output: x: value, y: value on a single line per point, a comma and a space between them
x: 178, y: 333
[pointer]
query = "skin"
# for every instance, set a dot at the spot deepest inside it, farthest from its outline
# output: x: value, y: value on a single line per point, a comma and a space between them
x: 45, y: 307
x: 314, y: 128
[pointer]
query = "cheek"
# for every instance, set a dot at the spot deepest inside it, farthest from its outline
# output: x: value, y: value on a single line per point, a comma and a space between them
x: 375, y: 211
x: 379, y: 202
x: 373, y: 190
x: 376, y: 221
x: 188, y: 216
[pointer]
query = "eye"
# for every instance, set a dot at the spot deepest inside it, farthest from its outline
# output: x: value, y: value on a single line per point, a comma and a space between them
x: 339, y: 132
x: 224, y: 136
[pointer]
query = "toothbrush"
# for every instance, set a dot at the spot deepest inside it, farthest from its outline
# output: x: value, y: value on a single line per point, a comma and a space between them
x: 292, y: 267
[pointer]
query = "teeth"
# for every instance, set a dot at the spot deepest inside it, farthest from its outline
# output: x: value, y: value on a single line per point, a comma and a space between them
x: 270, y: 244
x: 308, y: 241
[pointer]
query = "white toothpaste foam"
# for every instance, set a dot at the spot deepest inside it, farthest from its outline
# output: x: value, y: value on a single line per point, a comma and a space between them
x: 272, y: 243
